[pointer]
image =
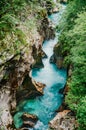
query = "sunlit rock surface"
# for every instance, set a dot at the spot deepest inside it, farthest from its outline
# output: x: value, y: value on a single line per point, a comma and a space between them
x: 64, y: 120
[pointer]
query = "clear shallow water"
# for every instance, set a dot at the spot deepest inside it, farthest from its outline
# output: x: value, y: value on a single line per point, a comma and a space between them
x: 45, y: 106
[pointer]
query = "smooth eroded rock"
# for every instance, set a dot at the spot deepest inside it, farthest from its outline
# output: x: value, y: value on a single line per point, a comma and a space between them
x: 29, y: 120
x: 55, y: 10
x: 29, y: 89
x: 57, y: 56
x: 37, y: 54
x: 64, y: 120
x: 39, y: 86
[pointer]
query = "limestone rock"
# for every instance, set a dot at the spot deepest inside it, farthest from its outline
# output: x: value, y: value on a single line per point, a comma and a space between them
x: 55, y: 10
x: 46, y: 29
x: 64, y: 121
x: 37, y: 54
x: 5, y: 116
x: 27, y: 116
x: 29, y: 120
x: 29, y: 89
x: 39, y: 86
x: 57, y: 56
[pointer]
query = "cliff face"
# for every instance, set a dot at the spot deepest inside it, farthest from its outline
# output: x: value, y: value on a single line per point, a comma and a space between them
x: 12, y: 77
x: 15, y: 80
x: 57, y: 57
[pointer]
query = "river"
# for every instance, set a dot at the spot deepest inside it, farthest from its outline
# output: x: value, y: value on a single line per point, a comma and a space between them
x: 45, y: 106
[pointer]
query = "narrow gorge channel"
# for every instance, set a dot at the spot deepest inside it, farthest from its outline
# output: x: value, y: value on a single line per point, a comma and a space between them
x: 44, y: 107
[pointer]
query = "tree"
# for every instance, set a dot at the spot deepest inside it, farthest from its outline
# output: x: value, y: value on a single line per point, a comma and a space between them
x: 73, y: 40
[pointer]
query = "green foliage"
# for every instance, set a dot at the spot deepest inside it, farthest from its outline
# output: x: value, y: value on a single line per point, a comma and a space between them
x: 68, y: 22
x: 7, y: 22
x: 13, y: 6
x: 81, y: 113
x: 73, y: 40
x: 17, y: 25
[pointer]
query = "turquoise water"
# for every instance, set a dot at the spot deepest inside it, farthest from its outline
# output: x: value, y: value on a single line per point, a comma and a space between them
x: 45, y: 106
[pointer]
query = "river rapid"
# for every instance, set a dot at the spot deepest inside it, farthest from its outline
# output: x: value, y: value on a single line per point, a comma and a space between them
x: 45, y: 106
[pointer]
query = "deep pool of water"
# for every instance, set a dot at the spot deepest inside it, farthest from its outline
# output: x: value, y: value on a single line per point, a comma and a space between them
x: 45, y: 106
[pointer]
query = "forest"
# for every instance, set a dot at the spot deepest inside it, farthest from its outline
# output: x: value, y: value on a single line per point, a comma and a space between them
x: 73, y: 39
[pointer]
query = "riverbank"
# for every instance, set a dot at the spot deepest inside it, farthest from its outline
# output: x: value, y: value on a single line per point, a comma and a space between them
x: 15, y: 63
x: 72, y: 44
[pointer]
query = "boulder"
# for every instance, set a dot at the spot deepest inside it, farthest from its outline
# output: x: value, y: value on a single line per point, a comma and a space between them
x: 29, y: 120
x: 64, y: 120
x: 55, y: 10
x: 39, y: 86
x: 28, y: 124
